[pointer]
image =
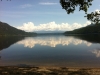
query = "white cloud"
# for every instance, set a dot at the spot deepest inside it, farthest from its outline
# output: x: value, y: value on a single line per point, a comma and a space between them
x: 47, y: 3
x: 26, y: 6
x: 51, y: 26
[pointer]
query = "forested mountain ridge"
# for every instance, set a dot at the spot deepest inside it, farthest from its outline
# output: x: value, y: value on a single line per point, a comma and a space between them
x: 6, y: 29
x: 91, y: 29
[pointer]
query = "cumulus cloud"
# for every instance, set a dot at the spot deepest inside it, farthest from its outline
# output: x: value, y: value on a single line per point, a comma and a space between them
x: 51, y: 26
x: 26, y: 5
x: 47, y: 3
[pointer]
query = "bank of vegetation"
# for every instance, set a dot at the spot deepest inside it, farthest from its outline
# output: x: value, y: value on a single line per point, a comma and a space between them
x: 7, y: 30
x: 91, y: 29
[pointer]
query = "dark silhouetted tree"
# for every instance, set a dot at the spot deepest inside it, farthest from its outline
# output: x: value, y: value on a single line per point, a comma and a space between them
x: 70, y: 7
x: 94, y: 17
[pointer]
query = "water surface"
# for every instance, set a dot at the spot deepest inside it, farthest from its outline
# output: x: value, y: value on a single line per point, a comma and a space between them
x: 50, y: 50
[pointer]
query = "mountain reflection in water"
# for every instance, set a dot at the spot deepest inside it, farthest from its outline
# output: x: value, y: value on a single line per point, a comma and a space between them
x: 7, y: 41
x: 51, y: 50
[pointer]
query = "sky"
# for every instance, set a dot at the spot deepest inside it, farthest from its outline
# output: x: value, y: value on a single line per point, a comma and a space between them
x: 42, y: 15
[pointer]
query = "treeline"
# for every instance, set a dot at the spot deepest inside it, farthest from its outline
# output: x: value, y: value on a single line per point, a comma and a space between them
x: 91, y: 29
x: 6, y: 29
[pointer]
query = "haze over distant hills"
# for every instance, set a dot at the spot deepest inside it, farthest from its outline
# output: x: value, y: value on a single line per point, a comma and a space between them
x: 49, y: 31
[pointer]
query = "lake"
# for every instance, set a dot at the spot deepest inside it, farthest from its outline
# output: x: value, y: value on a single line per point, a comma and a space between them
x: 50, y: 50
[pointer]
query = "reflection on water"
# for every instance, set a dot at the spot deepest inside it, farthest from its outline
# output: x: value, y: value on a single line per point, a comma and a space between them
x: 52, y: 41
x: 90, y: 38
x: 7, y: 41
x: 96, y: 52
x: 51, y: 50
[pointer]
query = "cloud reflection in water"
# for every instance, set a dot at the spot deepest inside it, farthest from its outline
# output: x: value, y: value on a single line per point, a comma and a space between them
x: 52, y: 41
x: 96, y: 52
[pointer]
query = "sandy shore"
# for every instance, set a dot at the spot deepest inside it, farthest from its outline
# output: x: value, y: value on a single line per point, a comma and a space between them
x: 48, y: 71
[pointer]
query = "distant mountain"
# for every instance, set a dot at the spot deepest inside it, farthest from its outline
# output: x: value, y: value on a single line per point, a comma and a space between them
x: 91, y: 29
x: 6, y: 29
x: 49, y: 31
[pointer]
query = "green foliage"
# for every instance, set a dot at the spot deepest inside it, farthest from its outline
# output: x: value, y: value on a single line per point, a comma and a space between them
x: 6, y: 30
x: 91, y: 29
x: 70, y: 5
x: 94, y: 17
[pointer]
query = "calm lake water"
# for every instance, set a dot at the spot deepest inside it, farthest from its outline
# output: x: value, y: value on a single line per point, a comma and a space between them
x: 50, y: 50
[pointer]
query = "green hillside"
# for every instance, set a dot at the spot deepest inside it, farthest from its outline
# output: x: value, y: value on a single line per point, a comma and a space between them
x: 91, y: 29
x: 6, y: 29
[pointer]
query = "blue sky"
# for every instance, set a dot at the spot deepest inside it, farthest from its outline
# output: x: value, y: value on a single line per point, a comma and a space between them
x: 39, y: 14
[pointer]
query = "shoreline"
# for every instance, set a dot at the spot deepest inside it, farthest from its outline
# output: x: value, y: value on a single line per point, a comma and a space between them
x: 17, y: 70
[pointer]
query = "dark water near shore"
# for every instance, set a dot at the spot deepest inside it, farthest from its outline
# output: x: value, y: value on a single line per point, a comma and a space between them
x: 50, y: 50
